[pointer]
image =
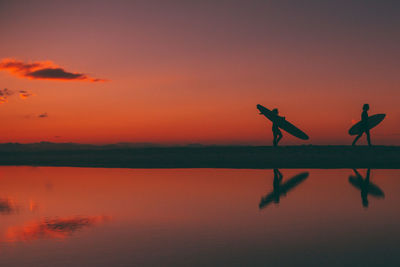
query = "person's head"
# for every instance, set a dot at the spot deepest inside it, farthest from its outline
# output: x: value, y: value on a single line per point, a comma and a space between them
x: 366, y: 107
x: 275, y: 110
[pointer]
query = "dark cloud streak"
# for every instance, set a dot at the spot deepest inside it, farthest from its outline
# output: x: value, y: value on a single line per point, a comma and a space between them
x: 56, y: 73
x: 43, y: 71
x: 43, y: 115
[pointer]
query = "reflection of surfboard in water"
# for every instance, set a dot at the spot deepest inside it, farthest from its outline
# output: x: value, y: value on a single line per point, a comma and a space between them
x: 372, y: 122
x: 359, y: 183
x: 283, y: 189
x: 282, y: 123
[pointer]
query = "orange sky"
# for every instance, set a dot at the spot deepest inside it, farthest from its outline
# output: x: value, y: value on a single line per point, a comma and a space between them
x: 186, y: 72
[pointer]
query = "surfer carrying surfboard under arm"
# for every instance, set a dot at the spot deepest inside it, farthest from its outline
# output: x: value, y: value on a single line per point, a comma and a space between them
x: 279, y: 123
x: 275, y: 128
x: 364, y: 126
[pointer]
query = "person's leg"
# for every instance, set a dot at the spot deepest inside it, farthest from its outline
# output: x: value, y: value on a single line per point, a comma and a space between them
x: 368, y: 138
x: 274, y: 142
x: 356, y: 139
x: 279, y: 138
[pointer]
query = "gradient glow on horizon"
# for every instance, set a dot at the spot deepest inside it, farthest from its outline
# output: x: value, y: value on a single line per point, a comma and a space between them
x: 181, y: 72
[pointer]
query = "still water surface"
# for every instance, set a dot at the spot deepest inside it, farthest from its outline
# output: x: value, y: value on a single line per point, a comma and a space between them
x: 198, y: 217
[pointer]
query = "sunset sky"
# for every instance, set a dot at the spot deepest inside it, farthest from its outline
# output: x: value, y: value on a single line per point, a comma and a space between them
x: 180, y: 72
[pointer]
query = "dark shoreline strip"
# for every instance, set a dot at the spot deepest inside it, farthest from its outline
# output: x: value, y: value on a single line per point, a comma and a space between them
x: 238, y: 157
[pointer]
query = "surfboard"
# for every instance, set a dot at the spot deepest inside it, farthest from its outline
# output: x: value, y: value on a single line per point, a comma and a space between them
x: 282, y: 123
x: 372, y: 122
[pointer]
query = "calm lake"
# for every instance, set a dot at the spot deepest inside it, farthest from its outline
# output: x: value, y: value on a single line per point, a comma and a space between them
x: 198, y: 217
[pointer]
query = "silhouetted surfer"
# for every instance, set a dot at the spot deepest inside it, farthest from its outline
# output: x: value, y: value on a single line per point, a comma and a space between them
x: 275, y: 128
x: 364, y: 122
x: 279, y: 123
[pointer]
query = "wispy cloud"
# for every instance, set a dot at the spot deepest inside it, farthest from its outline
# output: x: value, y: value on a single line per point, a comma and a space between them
x: 6, y: 93
x: 24, y: 94
x: 43, y: 70
x: 43, y: 115
x: 36, y: 116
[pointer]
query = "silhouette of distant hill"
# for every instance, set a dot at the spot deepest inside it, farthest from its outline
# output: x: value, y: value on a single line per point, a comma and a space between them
x: 147, y: 155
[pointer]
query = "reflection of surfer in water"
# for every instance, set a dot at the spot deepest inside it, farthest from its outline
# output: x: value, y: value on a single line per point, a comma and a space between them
x: 365, y: 186
x: 280, y: 189
x: 365, y: 127
x: 275, y: 128
x: 277, y: 183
